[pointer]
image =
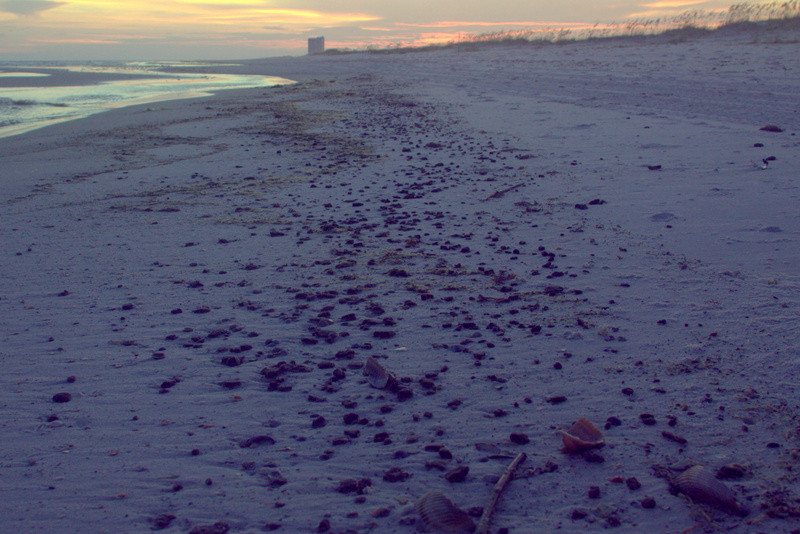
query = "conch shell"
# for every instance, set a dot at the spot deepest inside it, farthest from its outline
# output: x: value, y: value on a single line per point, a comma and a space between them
x: 438, y: 513
x: 581, y: 436
x: 701, y: 485
x: 377, y: 376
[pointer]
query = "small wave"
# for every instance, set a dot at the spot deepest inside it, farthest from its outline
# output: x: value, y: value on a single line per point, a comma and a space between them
x: 31, y: 103
x: 5, y: 74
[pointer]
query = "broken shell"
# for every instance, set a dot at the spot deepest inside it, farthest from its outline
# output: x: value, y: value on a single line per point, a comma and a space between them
x: 581, y: 436
x: 732, y: 472
x: 438, y: 513
x: 700, y: 485
x: 377, y: 376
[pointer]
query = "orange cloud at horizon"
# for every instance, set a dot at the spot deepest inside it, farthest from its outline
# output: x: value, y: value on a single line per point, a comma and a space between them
x: 671, y: 4
x: 456, y: 24
x: 76, y: 41
x: 392, y: 41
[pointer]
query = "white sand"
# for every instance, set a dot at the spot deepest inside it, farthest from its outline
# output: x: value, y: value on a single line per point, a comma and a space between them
x: 278, y: 212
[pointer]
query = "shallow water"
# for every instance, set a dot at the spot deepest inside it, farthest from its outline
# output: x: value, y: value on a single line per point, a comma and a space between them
x: 37, y: 95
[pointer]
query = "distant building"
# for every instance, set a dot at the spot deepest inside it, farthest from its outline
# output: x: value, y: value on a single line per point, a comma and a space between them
x: 316, y: 45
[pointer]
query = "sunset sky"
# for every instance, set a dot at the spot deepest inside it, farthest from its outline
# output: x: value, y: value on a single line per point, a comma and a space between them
x: 219, y: 29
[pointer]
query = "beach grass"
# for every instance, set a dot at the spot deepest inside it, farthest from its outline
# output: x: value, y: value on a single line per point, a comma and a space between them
x: 742, y: 17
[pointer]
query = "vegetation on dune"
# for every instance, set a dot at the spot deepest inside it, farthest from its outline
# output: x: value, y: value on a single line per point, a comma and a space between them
x: 688, y: 22
x: 742, y: 16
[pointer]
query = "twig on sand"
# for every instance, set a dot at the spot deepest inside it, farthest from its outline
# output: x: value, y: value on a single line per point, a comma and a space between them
x: 483, y: 524
x: 501, y: 192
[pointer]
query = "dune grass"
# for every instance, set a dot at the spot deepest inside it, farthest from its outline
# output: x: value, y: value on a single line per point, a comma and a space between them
x: 689, y: 24
x: 694, y: 21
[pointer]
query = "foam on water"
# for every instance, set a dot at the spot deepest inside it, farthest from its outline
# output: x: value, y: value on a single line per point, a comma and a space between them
x: 23, y: 75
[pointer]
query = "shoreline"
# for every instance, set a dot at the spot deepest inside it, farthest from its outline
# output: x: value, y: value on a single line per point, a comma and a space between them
x: 12, y: 131
x: 117, y: 89
x: 502, y: 247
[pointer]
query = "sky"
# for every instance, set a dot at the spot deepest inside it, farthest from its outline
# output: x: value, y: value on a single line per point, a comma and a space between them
x: 241, y: 29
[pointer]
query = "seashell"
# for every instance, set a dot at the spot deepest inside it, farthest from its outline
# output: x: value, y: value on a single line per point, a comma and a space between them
x: 377, y: 376
x: 438, y: 513
x: 700, y: 485
x: 581, y: 436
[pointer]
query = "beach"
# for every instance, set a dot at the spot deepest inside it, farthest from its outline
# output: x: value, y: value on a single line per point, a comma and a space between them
x: 521, y: 235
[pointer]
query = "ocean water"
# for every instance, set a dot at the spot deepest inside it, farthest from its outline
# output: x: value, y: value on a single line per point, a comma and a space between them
x: 34, y: 95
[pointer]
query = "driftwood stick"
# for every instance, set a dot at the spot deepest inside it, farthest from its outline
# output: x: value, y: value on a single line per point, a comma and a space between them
x: 486, y: 518
x: 501, y: 192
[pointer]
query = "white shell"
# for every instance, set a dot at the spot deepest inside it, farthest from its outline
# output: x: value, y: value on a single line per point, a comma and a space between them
x: 701, y: 485
x: 377, y: 376
x: 438, y: 513
x: 581, y: 436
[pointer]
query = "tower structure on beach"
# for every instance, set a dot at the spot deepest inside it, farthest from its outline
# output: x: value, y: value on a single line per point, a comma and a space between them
x: 316, y: 45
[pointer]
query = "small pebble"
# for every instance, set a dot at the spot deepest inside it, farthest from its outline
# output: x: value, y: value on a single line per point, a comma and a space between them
x: 672, y: 437
x: 318, y: 422
x: 352, y: 485
x: 395, y: 474
x: 162, y: 521
x: 519, y: 438
x: 578, y: 514
x: 612, y: 422
x: 459, y: 474
x: 647, y: 419
x: 62, y: 397
x: 383, y: 334
x: 350, y: 418
x: 255, y: 441
x: 380, y: 512
x: 632, y: 483
x: 593, y: 457
x: 217, y: 528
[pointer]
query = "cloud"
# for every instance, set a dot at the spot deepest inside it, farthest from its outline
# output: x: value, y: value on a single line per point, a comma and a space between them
x: 27, y: 7
x: 462, y: 24
x: 668, y: 4
x: 76, y: 41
